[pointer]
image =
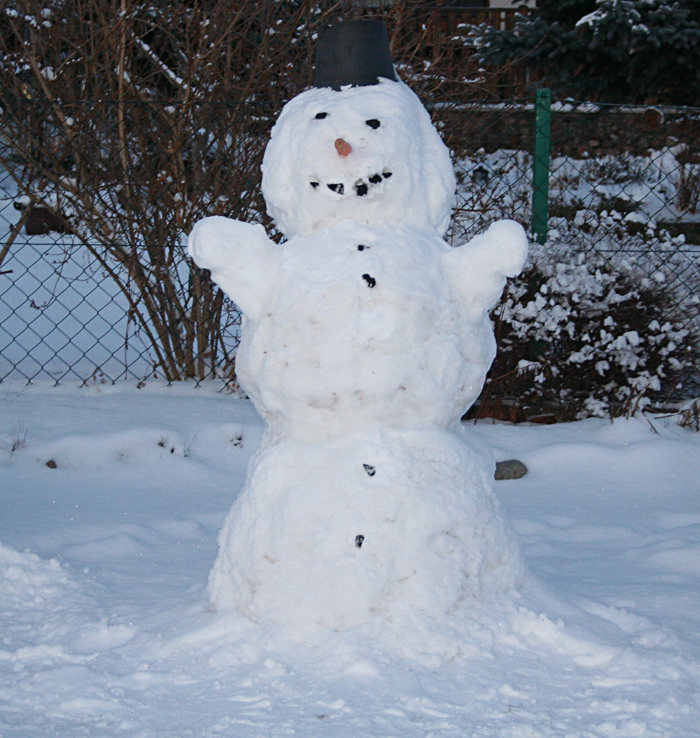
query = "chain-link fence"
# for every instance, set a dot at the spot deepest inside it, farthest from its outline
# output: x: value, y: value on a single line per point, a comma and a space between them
x: 96, y: 199
x: 616, y: 180
x: 607, y: 314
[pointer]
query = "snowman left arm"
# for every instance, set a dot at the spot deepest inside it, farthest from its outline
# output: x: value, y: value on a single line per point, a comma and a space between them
x: 478, y: 270
x: 240, y: 257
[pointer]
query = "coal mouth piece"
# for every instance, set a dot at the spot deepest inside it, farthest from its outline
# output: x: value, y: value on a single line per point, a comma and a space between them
x: 361, y: 187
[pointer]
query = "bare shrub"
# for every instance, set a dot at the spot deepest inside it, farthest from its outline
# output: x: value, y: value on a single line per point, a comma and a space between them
x: 689, y: 416
x: 129, y: 121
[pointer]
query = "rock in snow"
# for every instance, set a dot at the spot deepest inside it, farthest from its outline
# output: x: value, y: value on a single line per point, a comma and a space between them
x: 510, y: 469
x: 365, y: 338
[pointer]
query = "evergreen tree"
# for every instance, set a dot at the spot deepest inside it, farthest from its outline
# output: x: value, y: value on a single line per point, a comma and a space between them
x: 635, y: 51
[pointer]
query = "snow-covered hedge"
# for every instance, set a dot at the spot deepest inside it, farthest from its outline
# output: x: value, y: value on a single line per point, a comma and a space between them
x: 588, y: 329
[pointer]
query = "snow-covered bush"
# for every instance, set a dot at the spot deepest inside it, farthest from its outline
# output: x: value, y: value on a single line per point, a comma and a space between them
x: 587, y: 331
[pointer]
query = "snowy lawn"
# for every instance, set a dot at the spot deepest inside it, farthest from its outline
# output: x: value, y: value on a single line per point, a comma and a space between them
x: 110, y: 503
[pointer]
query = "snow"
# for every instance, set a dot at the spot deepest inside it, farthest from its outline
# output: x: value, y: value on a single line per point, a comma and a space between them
x: 365, y: 339
x: 104, y: 563
x: 591, y: 18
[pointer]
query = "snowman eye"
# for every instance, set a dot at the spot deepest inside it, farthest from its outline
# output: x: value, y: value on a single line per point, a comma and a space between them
x: 373, y: 123
x: 321, y: 116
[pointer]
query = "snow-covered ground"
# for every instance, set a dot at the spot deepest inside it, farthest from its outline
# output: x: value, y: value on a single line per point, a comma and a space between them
x: 110, y: 502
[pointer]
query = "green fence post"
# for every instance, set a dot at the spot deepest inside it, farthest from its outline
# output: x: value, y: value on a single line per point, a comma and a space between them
x: 540, y: 165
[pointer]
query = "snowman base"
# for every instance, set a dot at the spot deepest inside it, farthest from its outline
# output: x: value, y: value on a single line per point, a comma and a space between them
x: 385, y: 520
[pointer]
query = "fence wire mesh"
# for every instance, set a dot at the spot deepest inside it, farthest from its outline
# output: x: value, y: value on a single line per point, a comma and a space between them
x: 95, y: 200
x: 635, y: 194
x: 622, y: 204
x: 104, y: 194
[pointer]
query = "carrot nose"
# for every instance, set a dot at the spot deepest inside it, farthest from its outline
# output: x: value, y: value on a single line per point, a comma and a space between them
x: 342, y: 147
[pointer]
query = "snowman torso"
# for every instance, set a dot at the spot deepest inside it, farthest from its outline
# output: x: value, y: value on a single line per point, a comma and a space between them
x: 363, y: 327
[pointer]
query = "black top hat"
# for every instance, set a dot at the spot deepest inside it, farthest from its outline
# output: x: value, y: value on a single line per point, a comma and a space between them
x: 353, y: 53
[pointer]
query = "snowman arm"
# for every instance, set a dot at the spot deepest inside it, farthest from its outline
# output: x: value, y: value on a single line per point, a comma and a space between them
x: 239, y: 256
x: 478, y: 270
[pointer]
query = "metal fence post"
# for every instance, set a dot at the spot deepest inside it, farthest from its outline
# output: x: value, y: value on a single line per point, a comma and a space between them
x: 540, y: 165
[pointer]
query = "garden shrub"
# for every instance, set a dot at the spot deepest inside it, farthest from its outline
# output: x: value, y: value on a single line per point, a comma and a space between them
x: 586, y: 332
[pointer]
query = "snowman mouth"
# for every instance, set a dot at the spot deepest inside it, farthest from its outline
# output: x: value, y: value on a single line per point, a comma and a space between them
x: 360, y: 187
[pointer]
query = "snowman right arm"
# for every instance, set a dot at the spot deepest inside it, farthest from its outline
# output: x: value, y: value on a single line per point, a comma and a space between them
x: 240, y: 257
x: 478, y: 270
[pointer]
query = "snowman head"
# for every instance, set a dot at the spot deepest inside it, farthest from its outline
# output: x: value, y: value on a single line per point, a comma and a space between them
x: 367, y: 154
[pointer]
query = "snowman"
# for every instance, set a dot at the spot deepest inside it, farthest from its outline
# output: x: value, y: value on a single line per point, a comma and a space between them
x: 365, y: 337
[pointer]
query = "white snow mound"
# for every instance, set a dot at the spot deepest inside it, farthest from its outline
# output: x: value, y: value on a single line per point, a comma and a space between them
x: 378, y: 522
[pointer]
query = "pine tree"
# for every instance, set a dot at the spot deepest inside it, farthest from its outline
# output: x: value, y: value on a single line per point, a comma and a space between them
x: 634, y: 51
x: 653, y: 47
